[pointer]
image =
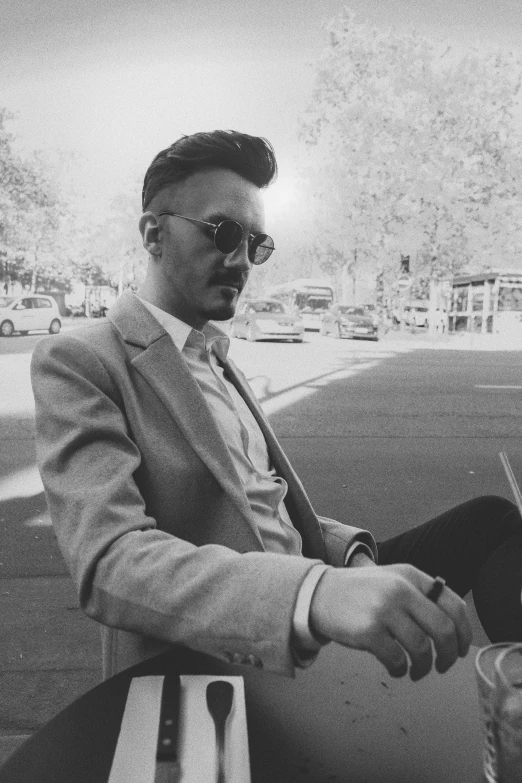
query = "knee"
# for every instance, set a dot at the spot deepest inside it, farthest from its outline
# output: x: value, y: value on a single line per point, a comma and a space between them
x: 496, y: 510
x: 497, y: 505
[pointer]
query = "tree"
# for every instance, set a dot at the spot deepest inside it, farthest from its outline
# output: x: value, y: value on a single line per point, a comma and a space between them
x: 25, y: 204
x: 409, y: 147
x: 116, y: 247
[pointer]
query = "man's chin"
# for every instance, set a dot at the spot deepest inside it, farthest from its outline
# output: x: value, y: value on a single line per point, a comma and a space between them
x: 225, y: 307
x: 223, y: 311
x: 222, y: 314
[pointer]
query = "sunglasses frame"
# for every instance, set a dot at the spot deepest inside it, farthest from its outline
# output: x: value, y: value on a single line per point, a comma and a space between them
x: 217, y: 226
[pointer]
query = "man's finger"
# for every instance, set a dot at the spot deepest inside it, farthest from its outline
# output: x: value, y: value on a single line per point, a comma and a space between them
x: 455, y: 607
x: 416, y: 643
x: 450, y: 604
x: 391, y: 655
x: 441, y: 628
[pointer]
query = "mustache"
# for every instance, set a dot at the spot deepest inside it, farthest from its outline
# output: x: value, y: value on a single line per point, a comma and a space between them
x: 236, y: 279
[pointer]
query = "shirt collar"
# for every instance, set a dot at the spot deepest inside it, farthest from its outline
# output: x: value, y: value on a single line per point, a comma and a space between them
x: 215, y: 339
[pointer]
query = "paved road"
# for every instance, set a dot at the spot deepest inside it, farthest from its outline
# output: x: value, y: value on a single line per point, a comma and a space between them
x: 383, y: 434
x: 390, y: 433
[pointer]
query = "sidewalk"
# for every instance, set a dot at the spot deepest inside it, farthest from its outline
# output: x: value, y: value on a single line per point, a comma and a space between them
x: 461, y: 341
x: 50, y: 652
x: 50, y: 656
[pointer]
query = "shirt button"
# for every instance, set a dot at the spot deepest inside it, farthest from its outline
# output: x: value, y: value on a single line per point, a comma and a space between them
x: 238, y: 659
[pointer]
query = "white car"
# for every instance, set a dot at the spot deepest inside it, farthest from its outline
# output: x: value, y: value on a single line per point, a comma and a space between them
x: 267, y: 319
x: 29, y: 313
x: 416, y: 315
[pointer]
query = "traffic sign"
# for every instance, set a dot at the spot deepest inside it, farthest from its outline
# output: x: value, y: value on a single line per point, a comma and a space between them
x: 405, y: 282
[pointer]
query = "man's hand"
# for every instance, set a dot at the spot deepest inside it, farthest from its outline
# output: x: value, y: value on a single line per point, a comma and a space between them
x: 384, y: 610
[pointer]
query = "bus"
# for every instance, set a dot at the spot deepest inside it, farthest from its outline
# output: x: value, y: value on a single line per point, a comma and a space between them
x: 487, y: 303
x: 309, y: 297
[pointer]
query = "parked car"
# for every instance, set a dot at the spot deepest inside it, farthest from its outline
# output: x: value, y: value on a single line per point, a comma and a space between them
x: 371, y: 311
x: 349, y: 321
x: 29, y: 313
x: 267, y: 319
x: 416, y: 315
x: 75, y: 310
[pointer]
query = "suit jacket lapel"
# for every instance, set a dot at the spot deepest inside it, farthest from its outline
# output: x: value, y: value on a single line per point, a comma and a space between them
x: 162, y: 366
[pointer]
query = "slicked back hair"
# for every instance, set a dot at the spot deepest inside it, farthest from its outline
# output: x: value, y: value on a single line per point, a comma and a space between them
x: 252, y: 157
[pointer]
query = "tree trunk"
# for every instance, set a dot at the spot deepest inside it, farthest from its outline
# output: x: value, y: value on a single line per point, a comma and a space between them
x: 433, y: 305
x: 345, y: 293
x: 349, y: 280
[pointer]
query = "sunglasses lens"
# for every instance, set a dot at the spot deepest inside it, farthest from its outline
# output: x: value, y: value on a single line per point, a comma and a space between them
x: 260, y: 248
x: 228, y: 236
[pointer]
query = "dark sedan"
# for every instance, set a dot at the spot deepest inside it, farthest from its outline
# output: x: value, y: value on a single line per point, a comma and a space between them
x: 349, y: 321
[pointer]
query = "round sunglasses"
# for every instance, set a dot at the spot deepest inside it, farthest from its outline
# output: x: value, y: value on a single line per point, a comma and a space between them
x: 228, y: 235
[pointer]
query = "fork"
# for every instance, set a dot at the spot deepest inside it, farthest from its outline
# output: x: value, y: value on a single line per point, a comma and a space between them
x: 220, y: 696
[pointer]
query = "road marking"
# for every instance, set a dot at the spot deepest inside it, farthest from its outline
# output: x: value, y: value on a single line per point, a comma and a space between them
x: 492, y: 386
x: 290, y: 397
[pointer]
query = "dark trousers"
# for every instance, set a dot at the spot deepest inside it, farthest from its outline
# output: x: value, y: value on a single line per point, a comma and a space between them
x: 475, y: 546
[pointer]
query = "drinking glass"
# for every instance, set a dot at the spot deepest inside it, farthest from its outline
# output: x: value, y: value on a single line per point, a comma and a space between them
x: 485, y: 672
x: 508, y: 714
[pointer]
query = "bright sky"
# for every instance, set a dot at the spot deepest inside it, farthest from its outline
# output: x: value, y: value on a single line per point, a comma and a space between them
x: 119, y: 80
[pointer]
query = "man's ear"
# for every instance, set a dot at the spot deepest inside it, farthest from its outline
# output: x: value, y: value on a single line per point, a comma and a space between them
x: 149, y: 231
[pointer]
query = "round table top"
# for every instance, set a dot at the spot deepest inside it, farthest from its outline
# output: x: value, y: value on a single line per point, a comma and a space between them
x: 341, y: 719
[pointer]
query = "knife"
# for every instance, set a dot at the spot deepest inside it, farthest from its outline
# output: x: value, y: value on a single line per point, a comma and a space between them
x: 167, y: 763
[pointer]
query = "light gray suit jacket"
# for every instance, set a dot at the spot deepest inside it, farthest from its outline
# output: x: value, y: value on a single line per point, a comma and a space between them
x: 147, y: 505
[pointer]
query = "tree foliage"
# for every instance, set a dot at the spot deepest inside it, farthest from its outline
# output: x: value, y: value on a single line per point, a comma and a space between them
x: 48, y: 238
x: 115, y: 243
x: 412, y: 147
x: 28, y: 216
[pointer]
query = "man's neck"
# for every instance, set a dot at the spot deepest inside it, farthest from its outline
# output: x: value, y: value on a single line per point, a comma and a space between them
x: 156, y: 299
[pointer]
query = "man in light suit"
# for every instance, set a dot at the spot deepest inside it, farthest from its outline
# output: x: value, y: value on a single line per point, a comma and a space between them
x: 179, y: 515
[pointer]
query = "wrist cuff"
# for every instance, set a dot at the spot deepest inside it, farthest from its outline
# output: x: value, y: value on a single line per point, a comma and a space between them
x: 304, y: 636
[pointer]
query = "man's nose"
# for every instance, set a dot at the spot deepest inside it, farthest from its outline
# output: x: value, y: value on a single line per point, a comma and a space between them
x: 239, y: 258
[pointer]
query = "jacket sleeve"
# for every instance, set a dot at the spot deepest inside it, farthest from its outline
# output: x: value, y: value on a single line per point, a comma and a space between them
x: 339, y: 537
x: 130, y: 574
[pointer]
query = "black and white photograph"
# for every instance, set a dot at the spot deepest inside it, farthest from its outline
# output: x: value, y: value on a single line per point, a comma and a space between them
x: 261, y: 391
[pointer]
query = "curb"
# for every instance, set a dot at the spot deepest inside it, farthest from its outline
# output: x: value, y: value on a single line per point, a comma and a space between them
x: 454, y: 342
